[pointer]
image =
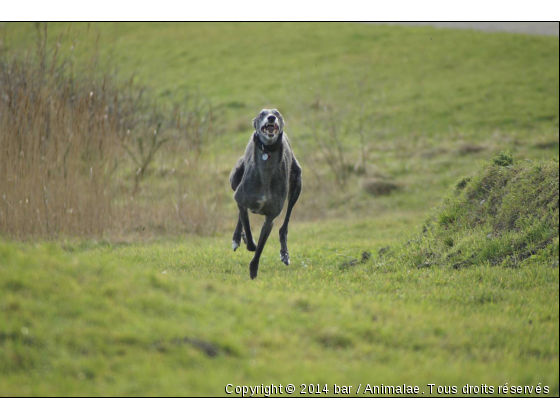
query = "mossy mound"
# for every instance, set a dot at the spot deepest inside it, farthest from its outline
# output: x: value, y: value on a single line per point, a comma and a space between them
x: 506, y: 214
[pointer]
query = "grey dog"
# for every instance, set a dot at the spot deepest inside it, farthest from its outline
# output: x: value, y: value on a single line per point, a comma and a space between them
x: 262, y: 179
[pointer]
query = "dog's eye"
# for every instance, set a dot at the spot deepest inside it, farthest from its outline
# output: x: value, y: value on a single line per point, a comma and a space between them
x: 262, y: 114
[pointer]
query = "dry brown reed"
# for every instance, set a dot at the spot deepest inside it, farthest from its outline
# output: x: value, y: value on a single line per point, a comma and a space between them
x: 57, y: 150
x: 75, y: 146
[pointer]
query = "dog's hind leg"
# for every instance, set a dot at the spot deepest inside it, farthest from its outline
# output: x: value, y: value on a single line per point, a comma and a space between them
x: 244, y: 219
x: 265, y: 232
x: 295, y: 190
x: 237, y: 234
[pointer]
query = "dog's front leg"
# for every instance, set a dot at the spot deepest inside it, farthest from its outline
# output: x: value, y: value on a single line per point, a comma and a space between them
x: 265, y: 231
x: 295, y: 190
x: 244, y: 217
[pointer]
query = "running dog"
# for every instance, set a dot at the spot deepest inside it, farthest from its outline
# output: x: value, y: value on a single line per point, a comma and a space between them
x: 262, y: 179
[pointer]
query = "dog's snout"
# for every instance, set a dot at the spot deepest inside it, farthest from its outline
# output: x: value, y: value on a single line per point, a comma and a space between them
x: 271, y: 118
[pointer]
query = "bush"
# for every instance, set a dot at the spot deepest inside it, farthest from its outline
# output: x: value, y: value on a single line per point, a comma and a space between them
x: 503, y: 159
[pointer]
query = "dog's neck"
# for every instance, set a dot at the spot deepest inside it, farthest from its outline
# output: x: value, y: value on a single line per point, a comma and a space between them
x: 268, y: 148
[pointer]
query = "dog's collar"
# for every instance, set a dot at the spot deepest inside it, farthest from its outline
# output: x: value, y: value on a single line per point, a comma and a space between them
x: 271, y: 148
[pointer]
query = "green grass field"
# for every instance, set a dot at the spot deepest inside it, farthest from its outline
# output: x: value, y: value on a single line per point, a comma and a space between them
x: 181, y: 318
x: 158, y: 313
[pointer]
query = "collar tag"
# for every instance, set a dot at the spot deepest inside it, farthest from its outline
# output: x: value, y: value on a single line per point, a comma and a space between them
x: 264, y: 156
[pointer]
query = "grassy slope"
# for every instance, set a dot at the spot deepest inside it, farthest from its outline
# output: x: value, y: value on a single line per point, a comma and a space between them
x: 112, y: 324
x: 420, y: 79
x: 505, y: 214
x: 425, y: 92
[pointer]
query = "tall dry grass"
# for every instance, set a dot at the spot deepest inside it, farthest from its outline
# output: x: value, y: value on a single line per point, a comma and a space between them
x: 58, y: 147
x: 75, y: 147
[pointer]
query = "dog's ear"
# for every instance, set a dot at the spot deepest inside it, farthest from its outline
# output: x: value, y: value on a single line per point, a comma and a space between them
x: 255, y: 122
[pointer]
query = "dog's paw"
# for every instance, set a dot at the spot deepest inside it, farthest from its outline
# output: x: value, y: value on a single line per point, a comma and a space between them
x: 285, y: 258
x: 234, y: 245
x: 253, y: 270
x: 251, y: 247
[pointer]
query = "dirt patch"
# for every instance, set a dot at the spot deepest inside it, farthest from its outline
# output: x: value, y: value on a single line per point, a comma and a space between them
x: 379, y: 186
x: 210, y: 349
x: 468, y: 148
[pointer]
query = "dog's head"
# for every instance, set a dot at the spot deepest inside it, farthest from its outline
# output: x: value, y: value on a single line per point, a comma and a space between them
x: 268, y: 125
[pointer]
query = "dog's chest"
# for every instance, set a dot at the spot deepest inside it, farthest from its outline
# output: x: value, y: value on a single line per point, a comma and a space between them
x: 263, y: 194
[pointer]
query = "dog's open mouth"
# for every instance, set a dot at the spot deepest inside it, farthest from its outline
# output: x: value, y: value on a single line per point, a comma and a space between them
x: 270, y: 129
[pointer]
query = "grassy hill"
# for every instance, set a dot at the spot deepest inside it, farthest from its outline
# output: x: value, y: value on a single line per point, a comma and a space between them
x: 150, y: 308
x: 412, y: 105
x: 506, y: 214
x: 412, y: 81
x: 417, y: 105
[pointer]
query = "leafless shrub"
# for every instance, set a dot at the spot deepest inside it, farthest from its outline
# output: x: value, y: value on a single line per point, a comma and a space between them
x: 144, y: 154
x: 325, y: 131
